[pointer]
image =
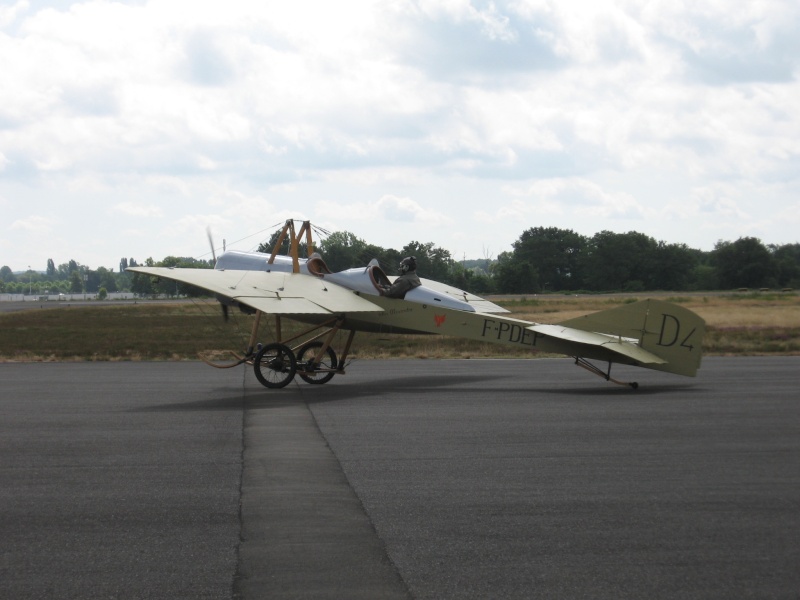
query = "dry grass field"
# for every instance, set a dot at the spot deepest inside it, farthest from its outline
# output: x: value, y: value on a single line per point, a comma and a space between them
x: 741, y: 324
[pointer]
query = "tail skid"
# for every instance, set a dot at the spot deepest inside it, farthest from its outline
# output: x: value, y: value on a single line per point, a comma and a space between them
x: 585, y: 364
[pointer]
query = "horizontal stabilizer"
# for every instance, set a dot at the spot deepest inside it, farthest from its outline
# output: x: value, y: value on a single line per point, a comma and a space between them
x: 623, y: 346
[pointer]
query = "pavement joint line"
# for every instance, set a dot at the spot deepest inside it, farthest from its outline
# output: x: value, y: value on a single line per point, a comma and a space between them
x: 304, y: 531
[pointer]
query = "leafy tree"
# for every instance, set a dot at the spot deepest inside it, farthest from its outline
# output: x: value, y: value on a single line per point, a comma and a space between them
x: 673, y: 266
x: 388, y: 258
x: 556, y: 254
x: 184, y: 262
x: 51, y: 269
x: 703, y: 277
x: 478, y: 265
x: 432, y: 262
x: 787, y: 264
x: 105, y: 279
x: 479, y: 283
x: 7, y: 275
x: 744, y: 263
x: 123, y: 281
x: 141, y: 284
x: 474, y: 280
x: 620, y: 261
x: 92, y: 280
x: 75, y: 282
x: 514, y: 276
x: 343, y: 250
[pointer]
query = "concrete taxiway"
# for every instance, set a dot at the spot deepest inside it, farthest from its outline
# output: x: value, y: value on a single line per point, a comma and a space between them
x: 402, y: 479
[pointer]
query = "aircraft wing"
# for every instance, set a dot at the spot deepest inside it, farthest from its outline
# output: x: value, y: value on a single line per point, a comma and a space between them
x: 273, y: 293
x: 624, y: 346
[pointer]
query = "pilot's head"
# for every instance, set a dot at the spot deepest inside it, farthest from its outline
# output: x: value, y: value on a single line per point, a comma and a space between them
x: 409, y: 263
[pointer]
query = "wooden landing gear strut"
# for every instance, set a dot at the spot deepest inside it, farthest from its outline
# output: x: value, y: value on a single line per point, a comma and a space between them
x: 582, y: 362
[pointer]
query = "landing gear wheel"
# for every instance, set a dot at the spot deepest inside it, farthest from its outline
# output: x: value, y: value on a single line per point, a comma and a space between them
x: 275, y: 365
x: 309, y: 370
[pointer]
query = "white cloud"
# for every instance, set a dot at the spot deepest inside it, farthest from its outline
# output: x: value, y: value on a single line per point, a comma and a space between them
x: 133, y: 209
x: 569, y: 196
x: 393, y: 208
x: 387, y: 209
x: 36, y: 224
x: 9, y: 14
x: 462, y: 122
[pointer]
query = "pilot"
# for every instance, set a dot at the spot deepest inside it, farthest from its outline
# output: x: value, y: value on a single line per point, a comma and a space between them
x: 407, y: 280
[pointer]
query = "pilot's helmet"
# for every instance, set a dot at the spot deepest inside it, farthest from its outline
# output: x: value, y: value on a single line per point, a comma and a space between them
x: 409, y: 263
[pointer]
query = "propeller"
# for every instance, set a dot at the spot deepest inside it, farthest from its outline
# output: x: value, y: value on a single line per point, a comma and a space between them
x: 211, y: 243
x: 214, y: 256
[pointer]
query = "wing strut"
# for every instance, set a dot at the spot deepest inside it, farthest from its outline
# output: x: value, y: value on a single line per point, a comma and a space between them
x: 582, y: 362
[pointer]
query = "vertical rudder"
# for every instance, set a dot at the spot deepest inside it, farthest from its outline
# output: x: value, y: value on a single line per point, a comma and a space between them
x: 675, y: 334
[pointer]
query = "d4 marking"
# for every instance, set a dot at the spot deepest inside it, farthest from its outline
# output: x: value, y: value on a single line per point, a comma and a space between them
x: 671, y: 332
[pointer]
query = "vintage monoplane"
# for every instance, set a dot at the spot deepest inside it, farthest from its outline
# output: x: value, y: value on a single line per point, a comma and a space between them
x: 650, y: 333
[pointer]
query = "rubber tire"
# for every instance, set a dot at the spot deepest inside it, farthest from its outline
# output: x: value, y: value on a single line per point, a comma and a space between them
x: 311, y: 349
x: 278, y: 363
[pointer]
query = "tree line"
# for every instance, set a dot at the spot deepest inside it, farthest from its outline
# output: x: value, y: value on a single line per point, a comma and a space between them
x: 543, y: 259
x: 74, y: 278
x: 67, y: 278
x: 552, y: 259
x: 549, y: 258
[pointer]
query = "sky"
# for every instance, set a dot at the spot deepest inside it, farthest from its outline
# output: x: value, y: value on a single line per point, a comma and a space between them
x: 127, y: 129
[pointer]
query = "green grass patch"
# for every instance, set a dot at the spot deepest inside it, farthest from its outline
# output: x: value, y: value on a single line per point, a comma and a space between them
x: 131, y: 332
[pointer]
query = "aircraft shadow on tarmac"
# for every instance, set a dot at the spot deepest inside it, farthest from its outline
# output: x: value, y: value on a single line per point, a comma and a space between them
x: 264, y: 399
x: 430, y: 384
x: 261, y: 398
x: 615, y: 390
x: 222, y: 402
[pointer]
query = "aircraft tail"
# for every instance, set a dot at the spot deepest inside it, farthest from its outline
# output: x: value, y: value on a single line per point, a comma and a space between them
x: 671, y: 332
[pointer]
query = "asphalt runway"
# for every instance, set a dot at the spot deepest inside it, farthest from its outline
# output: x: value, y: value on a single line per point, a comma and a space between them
x: 402, y: 479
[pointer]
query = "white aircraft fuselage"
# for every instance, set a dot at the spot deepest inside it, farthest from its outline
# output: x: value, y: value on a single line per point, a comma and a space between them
x: 363, y: 280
